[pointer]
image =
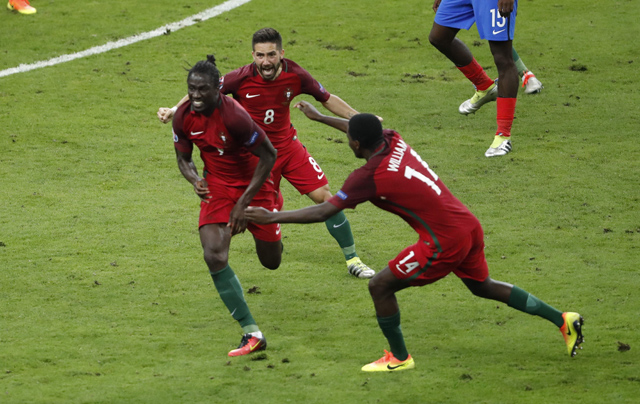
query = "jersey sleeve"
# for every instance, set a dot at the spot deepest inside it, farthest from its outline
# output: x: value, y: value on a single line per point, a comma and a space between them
x: 358, y: 188
x: 180, y: 139
x: 241, y: 126
x: 230, y: 82
x: 309, y: 85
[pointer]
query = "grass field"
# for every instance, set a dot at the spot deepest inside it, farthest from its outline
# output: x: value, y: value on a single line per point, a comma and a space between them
x: 104, y: 296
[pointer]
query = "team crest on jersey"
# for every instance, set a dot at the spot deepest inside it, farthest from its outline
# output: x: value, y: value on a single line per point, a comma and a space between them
x: 223, y: 137
x: 342, y: 195
x: 288, y: 94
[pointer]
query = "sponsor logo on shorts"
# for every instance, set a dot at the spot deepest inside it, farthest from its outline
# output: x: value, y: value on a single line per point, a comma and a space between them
x: 497, y: 32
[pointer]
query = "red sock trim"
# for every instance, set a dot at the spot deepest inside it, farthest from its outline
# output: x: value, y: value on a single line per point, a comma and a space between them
x: 476, y: 74
x: 504, y: 117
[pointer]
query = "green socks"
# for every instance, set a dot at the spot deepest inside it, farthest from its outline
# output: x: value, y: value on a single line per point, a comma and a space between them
x: 340, y: 229
x: 391, y: 329
x: 528, y: 303
x: 230, y: 290
x: 522, y: 69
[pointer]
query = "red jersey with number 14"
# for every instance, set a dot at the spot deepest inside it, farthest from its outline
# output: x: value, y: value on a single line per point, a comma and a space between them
x: 397, y: 180
x: 225, y: 139
x: 268, y: 102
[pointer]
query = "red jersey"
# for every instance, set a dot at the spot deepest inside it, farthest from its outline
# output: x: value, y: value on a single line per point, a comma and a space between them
x: 397, y: 180
x: 268, y: 102
x: 225, y: 139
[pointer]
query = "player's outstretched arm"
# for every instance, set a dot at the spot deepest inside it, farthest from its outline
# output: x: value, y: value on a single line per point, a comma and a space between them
x: 339, y: 107
x: 267, y: 154
x: 166, y: 114
x: 312, y: 113
x: 310, y: 214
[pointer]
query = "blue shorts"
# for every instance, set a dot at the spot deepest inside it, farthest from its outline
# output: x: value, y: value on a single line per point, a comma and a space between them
x: 461, y: 14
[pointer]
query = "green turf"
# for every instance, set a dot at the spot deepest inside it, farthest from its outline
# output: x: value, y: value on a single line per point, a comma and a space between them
x: 104, y: 297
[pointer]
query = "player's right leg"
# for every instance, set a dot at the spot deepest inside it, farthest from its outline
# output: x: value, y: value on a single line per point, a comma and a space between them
x: 382, y: 289
x: 450, y: 18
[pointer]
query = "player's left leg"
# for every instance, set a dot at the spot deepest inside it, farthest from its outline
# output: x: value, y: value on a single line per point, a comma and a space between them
x: 340, y: 229
x: 383, y: 288
x: 530, y: 82
x: 215, y: 239
x: 570, y: 324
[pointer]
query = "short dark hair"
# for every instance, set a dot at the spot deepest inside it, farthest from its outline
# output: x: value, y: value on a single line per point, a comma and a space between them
x: 366, y: 129
x: 265, y: 35
x: 207, y: 67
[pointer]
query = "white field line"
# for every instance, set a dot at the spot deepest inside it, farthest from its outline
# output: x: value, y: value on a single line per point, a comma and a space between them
x: 194, y: 19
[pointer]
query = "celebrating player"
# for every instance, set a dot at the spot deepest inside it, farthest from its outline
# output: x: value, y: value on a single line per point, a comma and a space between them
x: 396, y: 179
x: 496, y: 21
x: 238, y: 158
x: 265, y: 88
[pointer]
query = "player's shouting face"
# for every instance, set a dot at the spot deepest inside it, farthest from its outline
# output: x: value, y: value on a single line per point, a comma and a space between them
x: 203, y: 93
x: 268, y: 60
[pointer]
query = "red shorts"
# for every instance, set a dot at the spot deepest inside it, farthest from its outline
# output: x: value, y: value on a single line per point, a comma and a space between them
x: 422, y: 264
x: 296, y: 165
x: 224, y: 199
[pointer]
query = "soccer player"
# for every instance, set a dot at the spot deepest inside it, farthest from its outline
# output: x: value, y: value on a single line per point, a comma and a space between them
x: 21, y: 6
x: 450, y: 238
x: 496, y: 22
x: 265, y: 88
x: 238, y: 158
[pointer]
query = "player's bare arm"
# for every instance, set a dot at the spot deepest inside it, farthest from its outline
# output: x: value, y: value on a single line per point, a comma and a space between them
x: 312, y: 113
x: 339, y: 107
x: 166, y: 114
x: 310, y: 214
x: 267, y: 154
x: 436, y: 4
x: 190, y: 173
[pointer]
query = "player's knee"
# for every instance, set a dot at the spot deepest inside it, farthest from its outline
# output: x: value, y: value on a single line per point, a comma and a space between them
x: 270, y: 260
x: 438, y: 41
x: 377, y: 287
x: 215, y: 259
x: 271, y: 263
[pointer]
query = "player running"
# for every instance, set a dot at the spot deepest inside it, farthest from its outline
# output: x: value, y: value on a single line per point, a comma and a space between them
x: 396, y: 179
x: 265, y: 88
x: 238, y: 158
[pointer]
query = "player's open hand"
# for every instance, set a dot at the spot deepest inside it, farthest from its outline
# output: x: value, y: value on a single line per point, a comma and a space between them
x: 309, y: 110
x: 257, y: 214
x: 165, y: 114
x: 202, y: 190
